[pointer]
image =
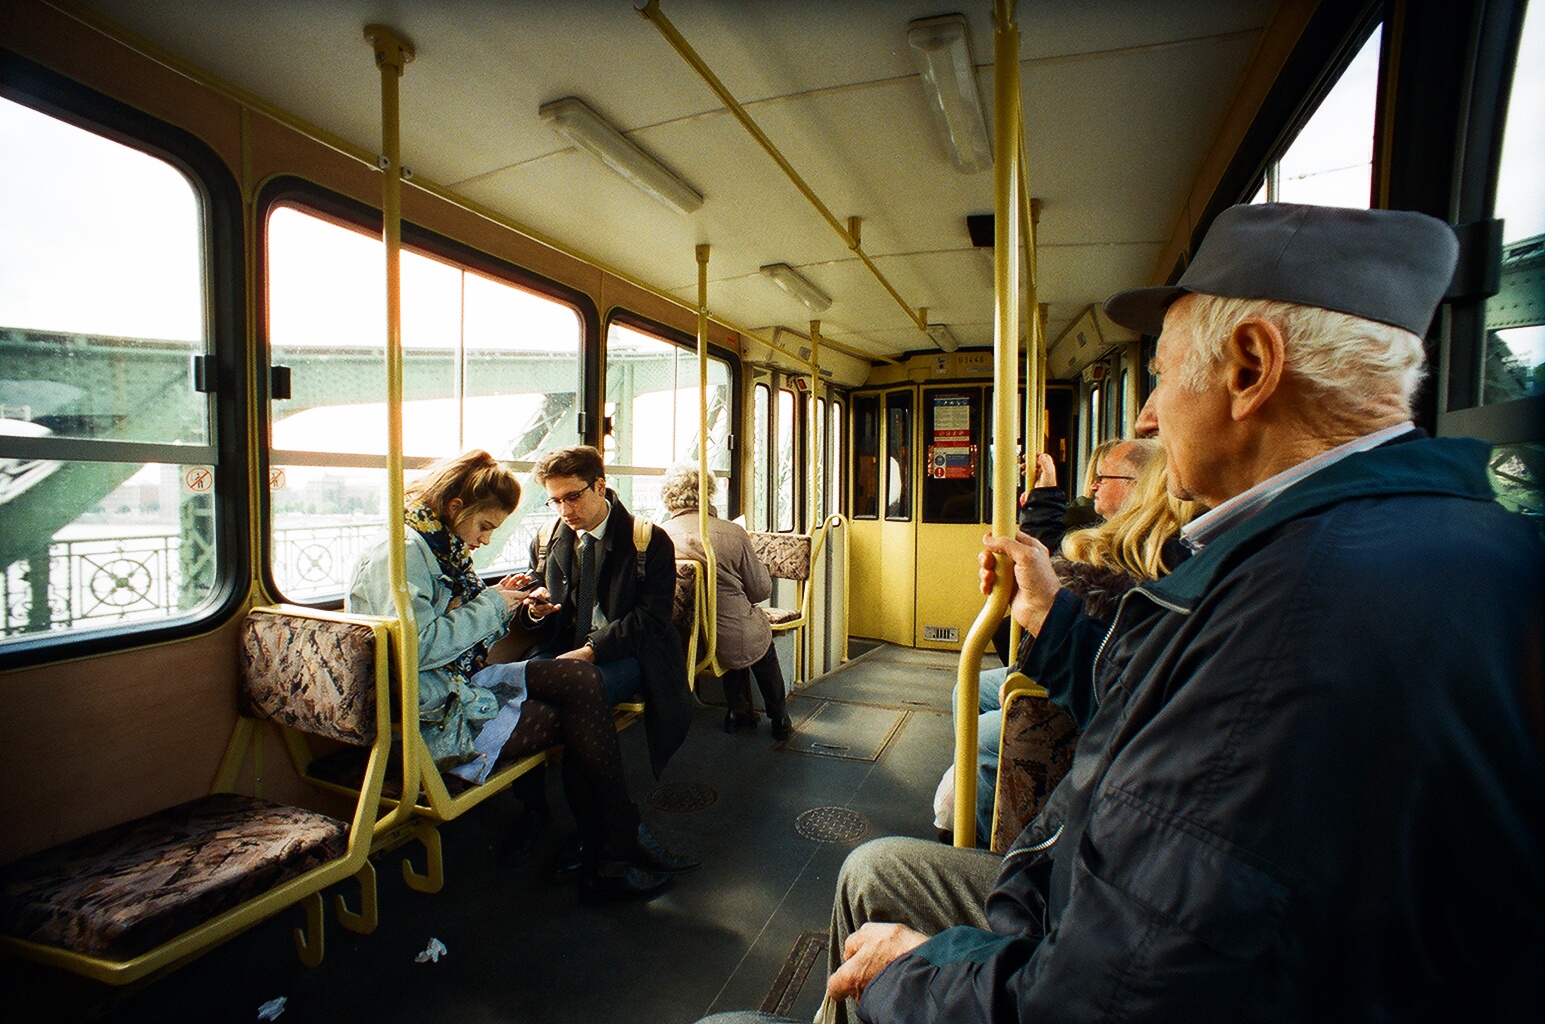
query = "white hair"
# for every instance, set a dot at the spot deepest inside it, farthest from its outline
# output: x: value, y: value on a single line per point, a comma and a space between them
x: 1360, y: 365
x: 678, y: 489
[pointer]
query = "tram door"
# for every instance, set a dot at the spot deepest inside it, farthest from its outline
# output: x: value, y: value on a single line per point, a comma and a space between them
x: 921, y: 467
x: 884, y: 542
x: 954, y: 502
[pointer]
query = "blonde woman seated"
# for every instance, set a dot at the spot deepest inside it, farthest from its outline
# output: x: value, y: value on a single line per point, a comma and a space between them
x: 1139, y: 543
x: 472, y: 713
x: 744, y: 641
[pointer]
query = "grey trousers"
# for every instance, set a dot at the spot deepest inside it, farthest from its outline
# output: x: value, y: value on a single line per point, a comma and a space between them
x: 922, y: 884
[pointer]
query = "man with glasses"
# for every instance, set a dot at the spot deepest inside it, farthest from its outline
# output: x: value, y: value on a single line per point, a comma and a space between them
x: 599, y: 601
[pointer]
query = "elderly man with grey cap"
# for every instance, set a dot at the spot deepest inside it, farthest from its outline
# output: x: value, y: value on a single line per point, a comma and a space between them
x: 1313, y: 787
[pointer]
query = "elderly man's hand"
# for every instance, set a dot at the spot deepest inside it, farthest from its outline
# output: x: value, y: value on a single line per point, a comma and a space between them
x: 867, y: 952
x: 1034, y: 584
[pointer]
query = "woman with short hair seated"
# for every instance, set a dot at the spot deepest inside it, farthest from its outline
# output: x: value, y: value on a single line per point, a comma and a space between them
x: 744, y: 638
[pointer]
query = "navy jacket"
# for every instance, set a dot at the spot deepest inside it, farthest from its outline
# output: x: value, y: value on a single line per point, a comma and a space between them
x: 1313, y: 787
x: 638, y: 620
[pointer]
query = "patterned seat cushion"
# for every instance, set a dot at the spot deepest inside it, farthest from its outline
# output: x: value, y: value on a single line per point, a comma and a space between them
x: 315, y: 675
x: 1038, y: 743
x: 781, y: 616
x: 786, y: 555
x: 124, y: 890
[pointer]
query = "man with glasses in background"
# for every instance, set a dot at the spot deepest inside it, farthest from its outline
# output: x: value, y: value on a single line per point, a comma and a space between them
x: 602, y: 600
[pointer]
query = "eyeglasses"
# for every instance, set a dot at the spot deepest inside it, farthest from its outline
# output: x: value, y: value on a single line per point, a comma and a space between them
x: 560, y: 500
x: 1100, y: 478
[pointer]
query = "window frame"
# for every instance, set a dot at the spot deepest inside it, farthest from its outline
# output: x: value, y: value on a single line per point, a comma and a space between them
x: 223, y: 285
x: 682, y: 340
x: 290, y: 190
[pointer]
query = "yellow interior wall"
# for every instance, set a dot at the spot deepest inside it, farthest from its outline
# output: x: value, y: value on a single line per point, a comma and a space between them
x: 947, y: 593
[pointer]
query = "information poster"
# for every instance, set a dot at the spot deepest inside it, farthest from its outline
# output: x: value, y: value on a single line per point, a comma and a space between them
x: 951, y: 455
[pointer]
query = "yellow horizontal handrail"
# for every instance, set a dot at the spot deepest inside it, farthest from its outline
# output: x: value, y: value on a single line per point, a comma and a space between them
x: 657, y: 17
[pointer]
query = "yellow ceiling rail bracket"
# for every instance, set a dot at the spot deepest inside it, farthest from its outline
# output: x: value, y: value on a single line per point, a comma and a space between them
x: 855, y: 230
x: 392, y: 55
x: 1006, y: 282
x: 391, y: 50
x: 651, y: 11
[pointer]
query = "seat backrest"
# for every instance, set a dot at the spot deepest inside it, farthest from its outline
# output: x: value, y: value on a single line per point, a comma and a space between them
x: 786, y: 555
x: 1036, y: 752
x: 315, y: 675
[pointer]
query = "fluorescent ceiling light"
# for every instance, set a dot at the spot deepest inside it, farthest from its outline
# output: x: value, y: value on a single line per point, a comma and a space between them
x: 940, y: 333
x: 787, y: 278
x: 942, y: 52
x: 570, y: 118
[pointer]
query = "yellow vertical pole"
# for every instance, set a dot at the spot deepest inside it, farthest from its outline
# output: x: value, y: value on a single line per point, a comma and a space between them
x: 392, y: 55
x: 806, y: 654
x: 1006, y: 272
x: 710, y: 572
x: 815, y: 427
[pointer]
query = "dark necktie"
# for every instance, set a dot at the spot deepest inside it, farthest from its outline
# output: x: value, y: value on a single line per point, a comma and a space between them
x: 584, y: 604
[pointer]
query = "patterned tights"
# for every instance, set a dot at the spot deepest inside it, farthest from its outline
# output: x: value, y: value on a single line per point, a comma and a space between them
x: 567, y: 705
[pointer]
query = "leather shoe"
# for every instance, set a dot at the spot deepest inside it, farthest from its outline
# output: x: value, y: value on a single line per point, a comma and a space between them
x: 781, y: 727
x: 651, y: 855
x: 734, y: 720
x: 570, y: 858
x: 615, y: 881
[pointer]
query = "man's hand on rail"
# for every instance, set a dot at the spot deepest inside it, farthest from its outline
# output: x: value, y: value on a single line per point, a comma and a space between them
x: 867, y: 952
x: 1034, y: 584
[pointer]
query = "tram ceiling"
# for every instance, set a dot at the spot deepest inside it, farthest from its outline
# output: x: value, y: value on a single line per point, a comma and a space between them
x: 1122, y: 100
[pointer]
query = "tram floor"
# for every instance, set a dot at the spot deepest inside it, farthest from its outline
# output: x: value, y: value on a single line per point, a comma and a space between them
x: 745, y: 931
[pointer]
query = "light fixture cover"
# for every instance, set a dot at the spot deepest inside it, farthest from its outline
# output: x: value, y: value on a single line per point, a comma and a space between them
x: 575, y: 121
x: 943, y: 337
x: 787, y: 278
x: 941, y: 49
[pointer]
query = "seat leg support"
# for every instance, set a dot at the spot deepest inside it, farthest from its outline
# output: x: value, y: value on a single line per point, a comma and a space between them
x: 308, y: 941
x: 434, y: 877
x: 363, y: 922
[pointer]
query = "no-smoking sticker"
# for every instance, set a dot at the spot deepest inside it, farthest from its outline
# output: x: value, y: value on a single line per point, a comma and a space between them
x: 199, y: 479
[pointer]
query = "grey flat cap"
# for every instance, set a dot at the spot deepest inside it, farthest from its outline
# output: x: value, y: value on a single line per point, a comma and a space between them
x: 1392, y: 266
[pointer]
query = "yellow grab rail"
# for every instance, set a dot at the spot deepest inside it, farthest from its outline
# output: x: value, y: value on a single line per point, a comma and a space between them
x: 392, y: 54
x: 1006, y: 278
x: 709, y: 592
x: 847, y: 232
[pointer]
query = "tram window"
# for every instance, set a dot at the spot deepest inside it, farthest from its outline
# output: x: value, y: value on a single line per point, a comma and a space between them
x: 953, y: 469
x: 108, y: 459
x: 835, y: 462
x: 761, y: 430
x: 1096, y: 422
x: 486, y: 364
x: 1330, y: 160
x: 898, y: 455
x: 783, y: 463
x: 1515, y: 316
x: 652, y: 390
x: 866, y: 457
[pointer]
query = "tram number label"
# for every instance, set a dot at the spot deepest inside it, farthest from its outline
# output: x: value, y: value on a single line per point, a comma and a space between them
x: 199, y: 479
x: 276, y: 479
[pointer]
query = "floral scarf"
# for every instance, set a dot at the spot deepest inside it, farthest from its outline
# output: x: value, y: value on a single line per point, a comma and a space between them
x: 455, y: 560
